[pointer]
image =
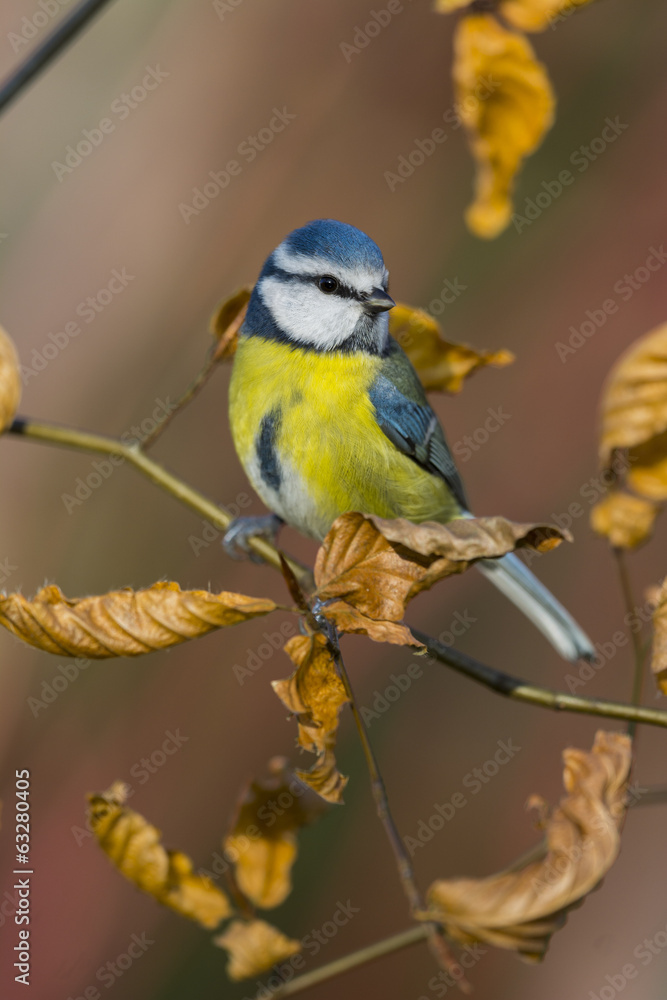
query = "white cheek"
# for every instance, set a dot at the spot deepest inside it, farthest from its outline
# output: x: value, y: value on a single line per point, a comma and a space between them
x: 308, y: 315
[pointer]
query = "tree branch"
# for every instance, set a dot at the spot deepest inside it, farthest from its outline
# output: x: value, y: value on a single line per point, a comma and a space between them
x: 495, y: 680
x: 513, y: 687
x: 82, y: 441
x: 374, y: 951
x: 39, y: 58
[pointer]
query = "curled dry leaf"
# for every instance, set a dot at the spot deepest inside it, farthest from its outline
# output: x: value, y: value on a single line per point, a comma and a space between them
x: 442, y: 366
x: 226, y: 322
x: 10, y: 380
x: 123, y: 622
x: 627, y: 521
x: 658, y: 598
x: 634, y: 413
x: 376, y: 566
x: 254, y: 947
x: 351, y: 621
x: 506, y: 103
x: 134, y: 847
x: 264, y: 836
x: 315, y: 694
x: 536, y: 15
x: 521, y: 908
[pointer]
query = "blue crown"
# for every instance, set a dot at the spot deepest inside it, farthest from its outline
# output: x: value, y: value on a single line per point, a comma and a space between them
x: 340, y: 243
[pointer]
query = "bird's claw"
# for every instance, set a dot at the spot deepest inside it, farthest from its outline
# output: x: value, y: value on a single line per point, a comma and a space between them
x: 242, y: 529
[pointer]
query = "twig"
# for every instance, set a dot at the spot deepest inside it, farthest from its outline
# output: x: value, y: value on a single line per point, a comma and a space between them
x: 39, y: 59
x: 513, y: 687
x: 403, y: 862
x: 82, y: 441
x: 192, y: 390
x: 638, y: 676
x: 374, y: 951
x: 405, y: 871
x: 495, y: 680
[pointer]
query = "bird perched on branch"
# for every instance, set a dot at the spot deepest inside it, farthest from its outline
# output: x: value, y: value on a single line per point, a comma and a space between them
x: 328, y: 414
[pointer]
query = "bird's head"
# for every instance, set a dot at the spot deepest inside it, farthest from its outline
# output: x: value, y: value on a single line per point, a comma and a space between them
x: 325, y: 287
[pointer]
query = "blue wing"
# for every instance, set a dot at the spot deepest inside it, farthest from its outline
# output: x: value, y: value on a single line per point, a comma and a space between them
x: 404, y: 415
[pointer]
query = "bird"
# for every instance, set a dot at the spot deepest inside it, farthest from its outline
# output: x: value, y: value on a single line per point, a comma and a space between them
x: 328, y: 415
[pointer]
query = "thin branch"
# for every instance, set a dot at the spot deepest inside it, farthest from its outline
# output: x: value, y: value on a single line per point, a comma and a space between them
x: 495, y: 680
x: 44, y: 54
x: 406, y: 874
x: 190, y: 393
x: 403, y: 862
x: 513, y: 687
x: 82, y: 441
x: 374, y: 951
x: 638, y: 676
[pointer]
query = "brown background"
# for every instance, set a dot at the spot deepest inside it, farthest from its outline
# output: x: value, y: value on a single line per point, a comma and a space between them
x: 120, y: 209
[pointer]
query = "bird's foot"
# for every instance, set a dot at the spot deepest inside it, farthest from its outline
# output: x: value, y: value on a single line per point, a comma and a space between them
x: 242, y: 529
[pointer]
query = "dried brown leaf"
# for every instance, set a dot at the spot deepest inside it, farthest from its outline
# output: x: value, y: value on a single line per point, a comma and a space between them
x: 315, y: 694
x: 519, y: 909
x: 123, y: 622
x: 133, y: 845
x: 226, y: 322
x: 506, y: 102
x: 442, y: 366
x: 254, y: 947
x: 347, y: 619
x: 264, y: 834
x: 10, y: 380
x: 627, y: 521
x: 658, y: 598
x: 377, y: 566
x: 634, y: 413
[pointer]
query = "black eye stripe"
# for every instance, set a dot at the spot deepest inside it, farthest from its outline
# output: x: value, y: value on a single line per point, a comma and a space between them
x: 343, y: 291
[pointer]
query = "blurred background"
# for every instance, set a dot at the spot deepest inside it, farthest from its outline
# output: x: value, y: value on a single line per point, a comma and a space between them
x: 219, y: 75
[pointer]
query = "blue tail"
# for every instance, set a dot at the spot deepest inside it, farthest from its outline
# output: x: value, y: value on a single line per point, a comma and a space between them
x: 515, y: 581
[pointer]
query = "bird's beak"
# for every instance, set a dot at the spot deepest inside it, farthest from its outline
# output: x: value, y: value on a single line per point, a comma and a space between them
x: 378, y: 301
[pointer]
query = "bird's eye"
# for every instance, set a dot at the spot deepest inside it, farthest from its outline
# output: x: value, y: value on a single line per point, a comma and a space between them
x: 328, y: 284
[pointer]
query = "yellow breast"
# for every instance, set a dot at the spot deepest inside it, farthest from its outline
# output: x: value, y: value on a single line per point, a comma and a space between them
x: 305, y: 431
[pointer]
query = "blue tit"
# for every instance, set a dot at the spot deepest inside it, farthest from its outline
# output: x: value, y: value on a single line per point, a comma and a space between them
x: 328, y: 414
